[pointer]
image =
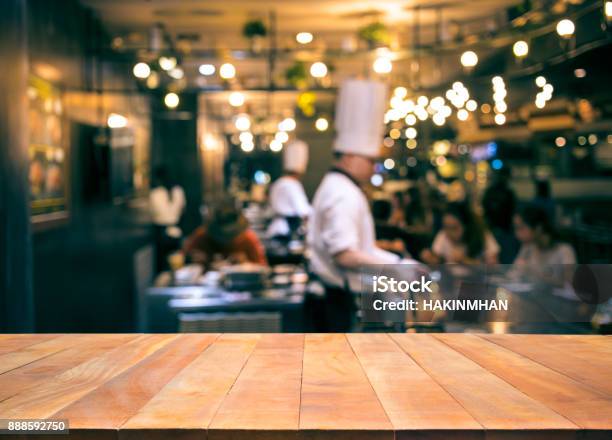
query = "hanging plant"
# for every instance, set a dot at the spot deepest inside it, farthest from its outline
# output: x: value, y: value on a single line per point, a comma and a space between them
x: 297, y: 75
x: 254, y: 28
x: 375, y: 34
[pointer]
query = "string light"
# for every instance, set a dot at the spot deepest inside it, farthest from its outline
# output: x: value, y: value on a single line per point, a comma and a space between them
x: 281, y: 136
x: 141, y: 70
x: 287, y: 124
x: 382, y: 65
x: 389, y: 164
x: 566, y: 28
x: 242, y: 122
x: 207, y: 69
x: 411, y: 133
x: 304, y: 37
x: 318, y: 70
x: 247, y: 147
x: 167, y: 63
x: 276, y: 145
x: 520, y: 49
x: 176, y: 73
x: 560, y: 141
x: 153, y: 80
x: 321, y: 124
x: 400, y: 92
x: 246, y: 136
x: 469, y: 59
x: 462, y: 115
x: 500, y: 119
x: 227, y: 71
x: 608, y: 10
x: 116, y: 120
x: 171, y: 100
x: 236, y: 99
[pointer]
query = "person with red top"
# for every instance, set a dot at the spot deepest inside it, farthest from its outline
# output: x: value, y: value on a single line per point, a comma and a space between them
x: 226, y: 235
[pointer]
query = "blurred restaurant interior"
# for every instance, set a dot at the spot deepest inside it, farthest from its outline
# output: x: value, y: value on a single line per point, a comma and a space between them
x: 143, y: 144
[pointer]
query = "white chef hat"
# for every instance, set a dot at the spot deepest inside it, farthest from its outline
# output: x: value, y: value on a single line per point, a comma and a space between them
x: 295, y: 158
x: 360, y: 111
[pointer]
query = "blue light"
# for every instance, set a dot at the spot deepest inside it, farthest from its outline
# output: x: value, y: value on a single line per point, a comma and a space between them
x: 379, y: 168
x: 261, y: 177
x: 492, y: 149
x: 497, y: 164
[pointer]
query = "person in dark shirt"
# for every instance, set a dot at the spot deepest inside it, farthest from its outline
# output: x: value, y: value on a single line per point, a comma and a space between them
x: 499, y: 205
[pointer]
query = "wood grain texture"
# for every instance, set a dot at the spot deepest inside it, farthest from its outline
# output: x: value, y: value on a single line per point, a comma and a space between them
x: 311, y: 387
x: 590, y: 369
x: 336, y: 394
x: 45, y: 400
x: 411, y: 398
x: 490, y: 400
x: 112, y: 403
x: 197, y: 391
x: 10, y: 343
x: 42, y: 370
x: 580, y: 404
x: 266, y: 395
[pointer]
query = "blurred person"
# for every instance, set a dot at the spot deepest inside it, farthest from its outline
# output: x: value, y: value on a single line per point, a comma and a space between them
x: 418, y: 217
x: 167, y: 203
x: 341, y: 232
x: 499, y: 205
x: 542, y: 253
x: 225, y: 236
x: 288, y: 200
x: 463, y: 239
x: 389, y: 236
x: 543, y: 199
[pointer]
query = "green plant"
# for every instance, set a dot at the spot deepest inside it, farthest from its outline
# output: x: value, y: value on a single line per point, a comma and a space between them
x: 254, y: 28
x: 374, y: 33
x: 297, y: 75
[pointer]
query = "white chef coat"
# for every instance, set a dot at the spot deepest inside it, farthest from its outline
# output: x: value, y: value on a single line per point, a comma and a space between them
x: 341, y: 220
x: 166, y: 210
x: 287, y: 199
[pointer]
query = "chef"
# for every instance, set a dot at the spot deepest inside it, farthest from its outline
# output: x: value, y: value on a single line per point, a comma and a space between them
x: 288, y: 200
x: 341, y: 231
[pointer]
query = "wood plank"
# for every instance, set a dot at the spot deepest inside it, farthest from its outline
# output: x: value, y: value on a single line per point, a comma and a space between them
x: 589, y: 369
x: 336, y: 394
x: 266, y: 395
x: 15, y: 359
x: 196, y: 392
x: 491, y: 401
x: 411, y: 398
x: 44, y: 401
x: 42, y: 370
x: 114, y: 402
x: 10, y: 343
x: 582, y: 405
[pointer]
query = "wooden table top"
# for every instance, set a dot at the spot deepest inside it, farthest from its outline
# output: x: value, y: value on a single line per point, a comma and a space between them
x: 279, y: 386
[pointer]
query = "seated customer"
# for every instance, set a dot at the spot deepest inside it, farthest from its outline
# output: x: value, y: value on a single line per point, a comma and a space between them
x: 542, y: 254
x: 226, y: 236
x: 463, y: 239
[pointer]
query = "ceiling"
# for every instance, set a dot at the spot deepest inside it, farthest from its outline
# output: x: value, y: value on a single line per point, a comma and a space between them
x: 210, y: 23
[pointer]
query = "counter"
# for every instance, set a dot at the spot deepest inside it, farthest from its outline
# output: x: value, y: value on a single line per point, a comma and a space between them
x: 273, y: 386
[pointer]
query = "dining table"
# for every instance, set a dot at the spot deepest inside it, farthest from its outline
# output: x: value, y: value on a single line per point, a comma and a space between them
x: 308, y: 386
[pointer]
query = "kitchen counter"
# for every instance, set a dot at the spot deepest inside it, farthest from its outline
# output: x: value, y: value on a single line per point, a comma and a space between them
x: 273, y: 386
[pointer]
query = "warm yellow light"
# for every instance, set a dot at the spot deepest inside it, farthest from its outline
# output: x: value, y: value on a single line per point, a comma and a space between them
x: 304, y: 37
x: 207, y: 69
x: 411, y: 133
x: 236, y: 99
x: 471, y: 105
x: 560, y: 141
x: 281, y: 136
x: 382, y: 65
x: 287, y: 124
x: 540, y: 81
x: 167, y: 63
x: 520, y: 49
x: 500, y: 119
x: 116, y: 120
x: 566, y: 28
x: 247, y: 147
x: 469, y: 59
x: 485, y: 108
x: 462, y: 115
x: 439, y: 119
x: 411, y: 119
x: 608, y: 10
x: 411, y: 144
x: 141, y: 70
x: 227, y: 71
x: 276, y: 145
x: 395, y: 133
x: 176, y: 73
x: 153, y: 80
x: 318, y: 70
x: 171, y: 100
x: 389, y: 164
x: 400, y: 92
x: 246, y: 136
x: 321, y: 124
x: 243, y: 122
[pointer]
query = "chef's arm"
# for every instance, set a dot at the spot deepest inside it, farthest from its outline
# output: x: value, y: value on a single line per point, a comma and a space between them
x: 354, y: 259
